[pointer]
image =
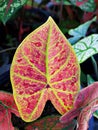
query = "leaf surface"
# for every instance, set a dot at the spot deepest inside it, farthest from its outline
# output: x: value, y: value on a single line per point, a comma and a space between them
x: 86, y: 47
x: 44, y: 68
x: 7, y: 105
x: 85, y: 104
x: 8, y: 8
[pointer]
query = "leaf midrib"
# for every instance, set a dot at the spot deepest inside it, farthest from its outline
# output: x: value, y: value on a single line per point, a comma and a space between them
x: 47, y: 48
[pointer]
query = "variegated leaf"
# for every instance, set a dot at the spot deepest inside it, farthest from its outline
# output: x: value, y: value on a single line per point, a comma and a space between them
x: 44, y: 67
x: 86, y: 47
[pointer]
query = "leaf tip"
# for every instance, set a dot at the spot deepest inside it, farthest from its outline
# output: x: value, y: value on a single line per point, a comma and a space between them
x: 50, y: 19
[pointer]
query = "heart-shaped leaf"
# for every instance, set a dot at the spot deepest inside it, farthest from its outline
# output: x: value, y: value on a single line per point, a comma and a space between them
x: 8, y: 8
x: 86, y: 47
x: 85, y: 104
x: 44, y: 68
x: 50, y: 123
x: 7, y: 105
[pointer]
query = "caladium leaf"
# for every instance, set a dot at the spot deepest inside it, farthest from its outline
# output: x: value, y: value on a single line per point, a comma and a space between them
x: 7, y: 105
x: 86, y: 47
x: 44, y: 67
x: 8, y: 8
x: 50, y: 123
x: 85, y: 104
x: 80, y: 31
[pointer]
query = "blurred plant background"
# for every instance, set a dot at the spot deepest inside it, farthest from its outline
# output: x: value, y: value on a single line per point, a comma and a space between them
x: 75, y: 18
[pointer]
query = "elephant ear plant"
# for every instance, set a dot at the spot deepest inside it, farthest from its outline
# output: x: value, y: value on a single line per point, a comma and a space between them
x: 44, y: 67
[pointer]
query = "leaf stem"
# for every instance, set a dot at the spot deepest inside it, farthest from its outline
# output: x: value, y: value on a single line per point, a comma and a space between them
x: 8, y: 49
x: 95, y: 67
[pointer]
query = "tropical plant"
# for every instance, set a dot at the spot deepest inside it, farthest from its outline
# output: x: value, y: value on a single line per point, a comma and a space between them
x: 45, y: 66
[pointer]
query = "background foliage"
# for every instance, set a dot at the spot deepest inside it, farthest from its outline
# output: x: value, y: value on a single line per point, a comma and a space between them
x: 75, y: 19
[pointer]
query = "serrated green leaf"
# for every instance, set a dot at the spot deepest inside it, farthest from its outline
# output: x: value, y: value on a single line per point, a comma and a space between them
x: 86, y: 47
x: 8, y: 8
x: 80, y: 31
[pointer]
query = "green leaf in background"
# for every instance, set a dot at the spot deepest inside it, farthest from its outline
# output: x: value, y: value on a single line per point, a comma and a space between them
x: 95, y: 67
x: 86, y: 47
x: 50, y: 123
x: 80, y: 31
x: 8, y: 8
x: 90, y: 80
x: 65, y: 2
x: 85, y: 5
x: 83, y: 78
